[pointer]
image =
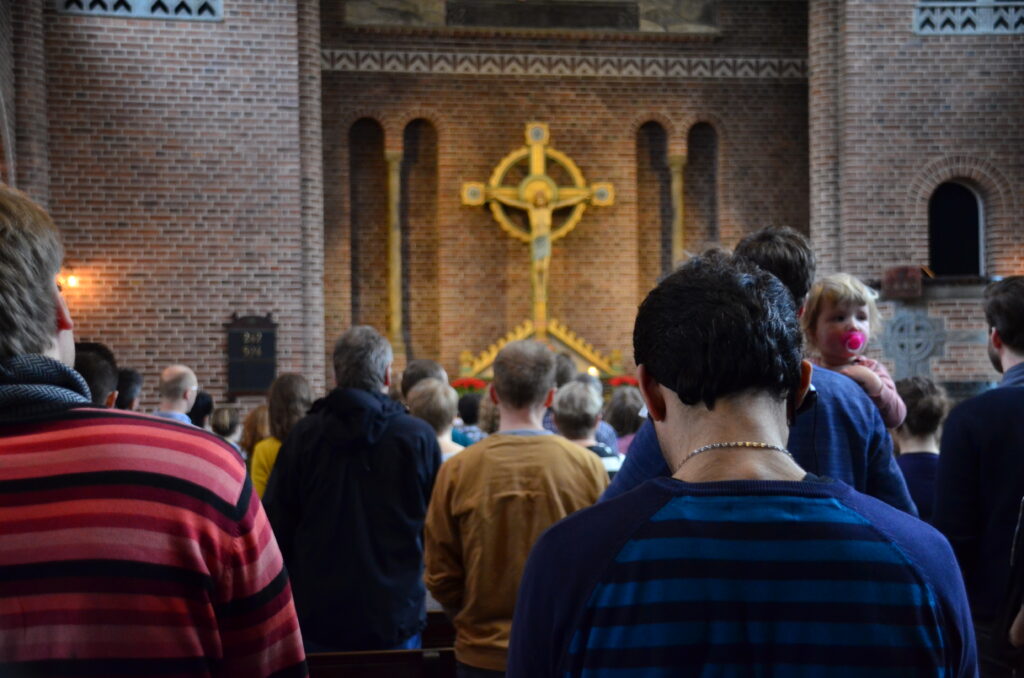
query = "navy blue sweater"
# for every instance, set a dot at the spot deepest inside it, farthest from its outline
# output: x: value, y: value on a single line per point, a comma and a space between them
x: 741, y: 578
x: 979, y: 488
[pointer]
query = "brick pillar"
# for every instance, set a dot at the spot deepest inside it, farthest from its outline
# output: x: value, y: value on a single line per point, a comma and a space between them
x: 31, y: 125
x: 312, y: 193
x: 826, y: 37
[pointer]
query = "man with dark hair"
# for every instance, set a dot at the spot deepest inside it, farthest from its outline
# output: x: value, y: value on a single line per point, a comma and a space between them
x: 741, y: 563
x: 202, y: 408
x: 981, y: 474
x: 492, y: 501
x: 99, y: 372
x: 347, y: 498
x: 839, y: 433
x: 131, y: 546
x: 129, y: 389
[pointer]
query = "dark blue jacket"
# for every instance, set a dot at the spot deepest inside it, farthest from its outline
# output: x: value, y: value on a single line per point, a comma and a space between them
x: 347, y: 499
x: 979, y: 488
x: 842, y: 436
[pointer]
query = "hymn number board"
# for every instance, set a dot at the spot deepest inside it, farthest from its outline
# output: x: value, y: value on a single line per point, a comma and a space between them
x: 252, y: 354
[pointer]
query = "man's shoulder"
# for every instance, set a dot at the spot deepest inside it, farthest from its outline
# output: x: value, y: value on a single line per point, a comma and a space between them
x: 114, y: 440
x: 985, y: 404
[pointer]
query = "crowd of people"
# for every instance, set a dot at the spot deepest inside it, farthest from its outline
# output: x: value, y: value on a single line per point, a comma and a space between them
x: 767, y: 501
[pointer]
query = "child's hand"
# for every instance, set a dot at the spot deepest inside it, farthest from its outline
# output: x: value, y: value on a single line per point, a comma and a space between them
x: 868, y: 380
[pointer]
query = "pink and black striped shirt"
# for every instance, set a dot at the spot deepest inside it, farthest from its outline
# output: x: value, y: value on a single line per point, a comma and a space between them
x: 135, y: 546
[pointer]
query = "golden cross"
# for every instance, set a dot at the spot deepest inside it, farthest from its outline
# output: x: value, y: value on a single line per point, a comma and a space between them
x: 540, y: 196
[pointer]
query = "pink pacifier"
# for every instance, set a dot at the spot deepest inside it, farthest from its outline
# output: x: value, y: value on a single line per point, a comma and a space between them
x: 854, y: 341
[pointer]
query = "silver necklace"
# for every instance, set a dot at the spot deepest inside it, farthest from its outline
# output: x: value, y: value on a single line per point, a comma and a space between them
x: 718, y: 446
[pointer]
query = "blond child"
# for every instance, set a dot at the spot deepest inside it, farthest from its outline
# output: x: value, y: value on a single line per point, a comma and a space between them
x: 837, y: 322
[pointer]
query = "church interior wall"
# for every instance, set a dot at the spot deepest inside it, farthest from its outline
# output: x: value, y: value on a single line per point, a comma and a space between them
x: 6, y: 94
x: 600, y: 271
x: 174, y: 160
x: 915, y: 111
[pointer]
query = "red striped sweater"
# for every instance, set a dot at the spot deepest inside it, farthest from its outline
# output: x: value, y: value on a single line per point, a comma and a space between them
x: 135, y: 546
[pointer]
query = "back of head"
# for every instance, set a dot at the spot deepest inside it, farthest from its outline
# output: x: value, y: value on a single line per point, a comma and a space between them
x: 623, y: 410
x: 30, y: 259
x: 255, y: 428
x: 590, y: 381
x: 926, y: 402
x: 839, y: 288
x: 524, y: 373
x: 361, y: 359
x: 289, y: 399
x: 202, y: 408
x: 175, y: 382
x: 435, y: 402
x: 717, y: 327
x: 99, y: 373
x: 129, y: 388
x: 1004, y: 310
x: 225, y: 421
x: 577, y: 407
x: 469, y: 408
x: 565, y: 369
x: 418, y: 370
x: 784, y: 253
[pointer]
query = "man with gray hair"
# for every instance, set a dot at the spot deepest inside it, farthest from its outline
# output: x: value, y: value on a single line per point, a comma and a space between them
x: 347, y: 499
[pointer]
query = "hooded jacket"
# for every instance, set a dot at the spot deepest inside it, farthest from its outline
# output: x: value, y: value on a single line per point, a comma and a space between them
x: 347, y: 499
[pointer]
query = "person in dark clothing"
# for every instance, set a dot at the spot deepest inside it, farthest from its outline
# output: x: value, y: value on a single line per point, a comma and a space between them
x: 347, y: 499
x: 918, y: 439
x: 836, y: 433
x: 981, y: 474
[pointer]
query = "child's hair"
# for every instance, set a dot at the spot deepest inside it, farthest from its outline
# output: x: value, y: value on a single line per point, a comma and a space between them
x: 435, y: 402
x: 838, y: 288
x: 927, y: 405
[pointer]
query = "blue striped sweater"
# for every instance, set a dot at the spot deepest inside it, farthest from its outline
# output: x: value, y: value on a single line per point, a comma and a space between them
x: 742, y: 578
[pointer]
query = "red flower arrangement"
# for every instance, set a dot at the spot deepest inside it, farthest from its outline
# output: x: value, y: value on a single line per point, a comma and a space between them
x: 623, y: 380
x: 468, y: 385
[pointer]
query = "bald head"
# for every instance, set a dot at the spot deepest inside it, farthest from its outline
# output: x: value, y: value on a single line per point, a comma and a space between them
x: 178, y: 388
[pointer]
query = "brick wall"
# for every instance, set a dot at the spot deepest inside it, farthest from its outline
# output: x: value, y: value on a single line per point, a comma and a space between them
x: 599, y: 271
x: 6, y: 94
x: 893, y: 115
x: 176, y: 174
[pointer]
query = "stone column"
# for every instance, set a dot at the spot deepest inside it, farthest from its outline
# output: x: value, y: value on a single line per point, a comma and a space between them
x: 826, y: 50
x: 312, y: 193
x: 32, y: 135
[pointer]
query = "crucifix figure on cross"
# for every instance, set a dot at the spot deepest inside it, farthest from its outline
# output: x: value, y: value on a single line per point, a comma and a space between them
x: 540, y: 196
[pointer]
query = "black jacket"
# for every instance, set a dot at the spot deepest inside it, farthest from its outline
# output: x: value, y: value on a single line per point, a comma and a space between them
x: 347, y: 498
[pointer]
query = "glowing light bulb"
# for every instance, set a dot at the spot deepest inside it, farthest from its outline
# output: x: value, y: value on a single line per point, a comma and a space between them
x: 593, y: 371
x: 72, y: 281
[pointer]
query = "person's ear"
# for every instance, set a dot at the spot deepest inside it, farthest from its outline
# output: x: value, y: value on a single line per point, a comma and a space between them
x: 796, y: 398
x: 64, y: 322
x: 492, y: 394
x: 387, y: 376
x: 650, y: 389
x: 997, y: 341
x: 111, y: 400
x: 550, y: 398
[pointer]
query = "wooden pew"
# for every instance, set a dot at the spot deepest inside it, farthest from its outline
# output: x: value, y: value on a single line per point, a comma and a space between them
x: 430, y: 663
x: 435, y: 660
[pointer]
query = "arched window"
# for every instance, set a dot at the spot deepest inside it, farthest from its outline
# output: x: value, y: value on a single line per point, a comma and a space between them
x: 955, y: 222
x: 701, y: 192
x: 421, y: 309
x: 368, y: 192
x: 654, y: 201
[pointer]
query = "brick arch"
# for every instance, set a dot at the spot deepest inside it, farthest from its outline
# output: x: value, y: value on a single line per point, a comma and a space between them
x: 436, y: 120
x: 691, y: 119
x: 377, y: 116
x: 660, y: 118
x: 983, y: 177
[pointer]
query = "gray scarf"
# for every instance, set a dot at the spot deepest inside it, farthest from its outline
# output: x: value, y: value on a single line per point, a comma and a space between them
x: 33, y: 385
